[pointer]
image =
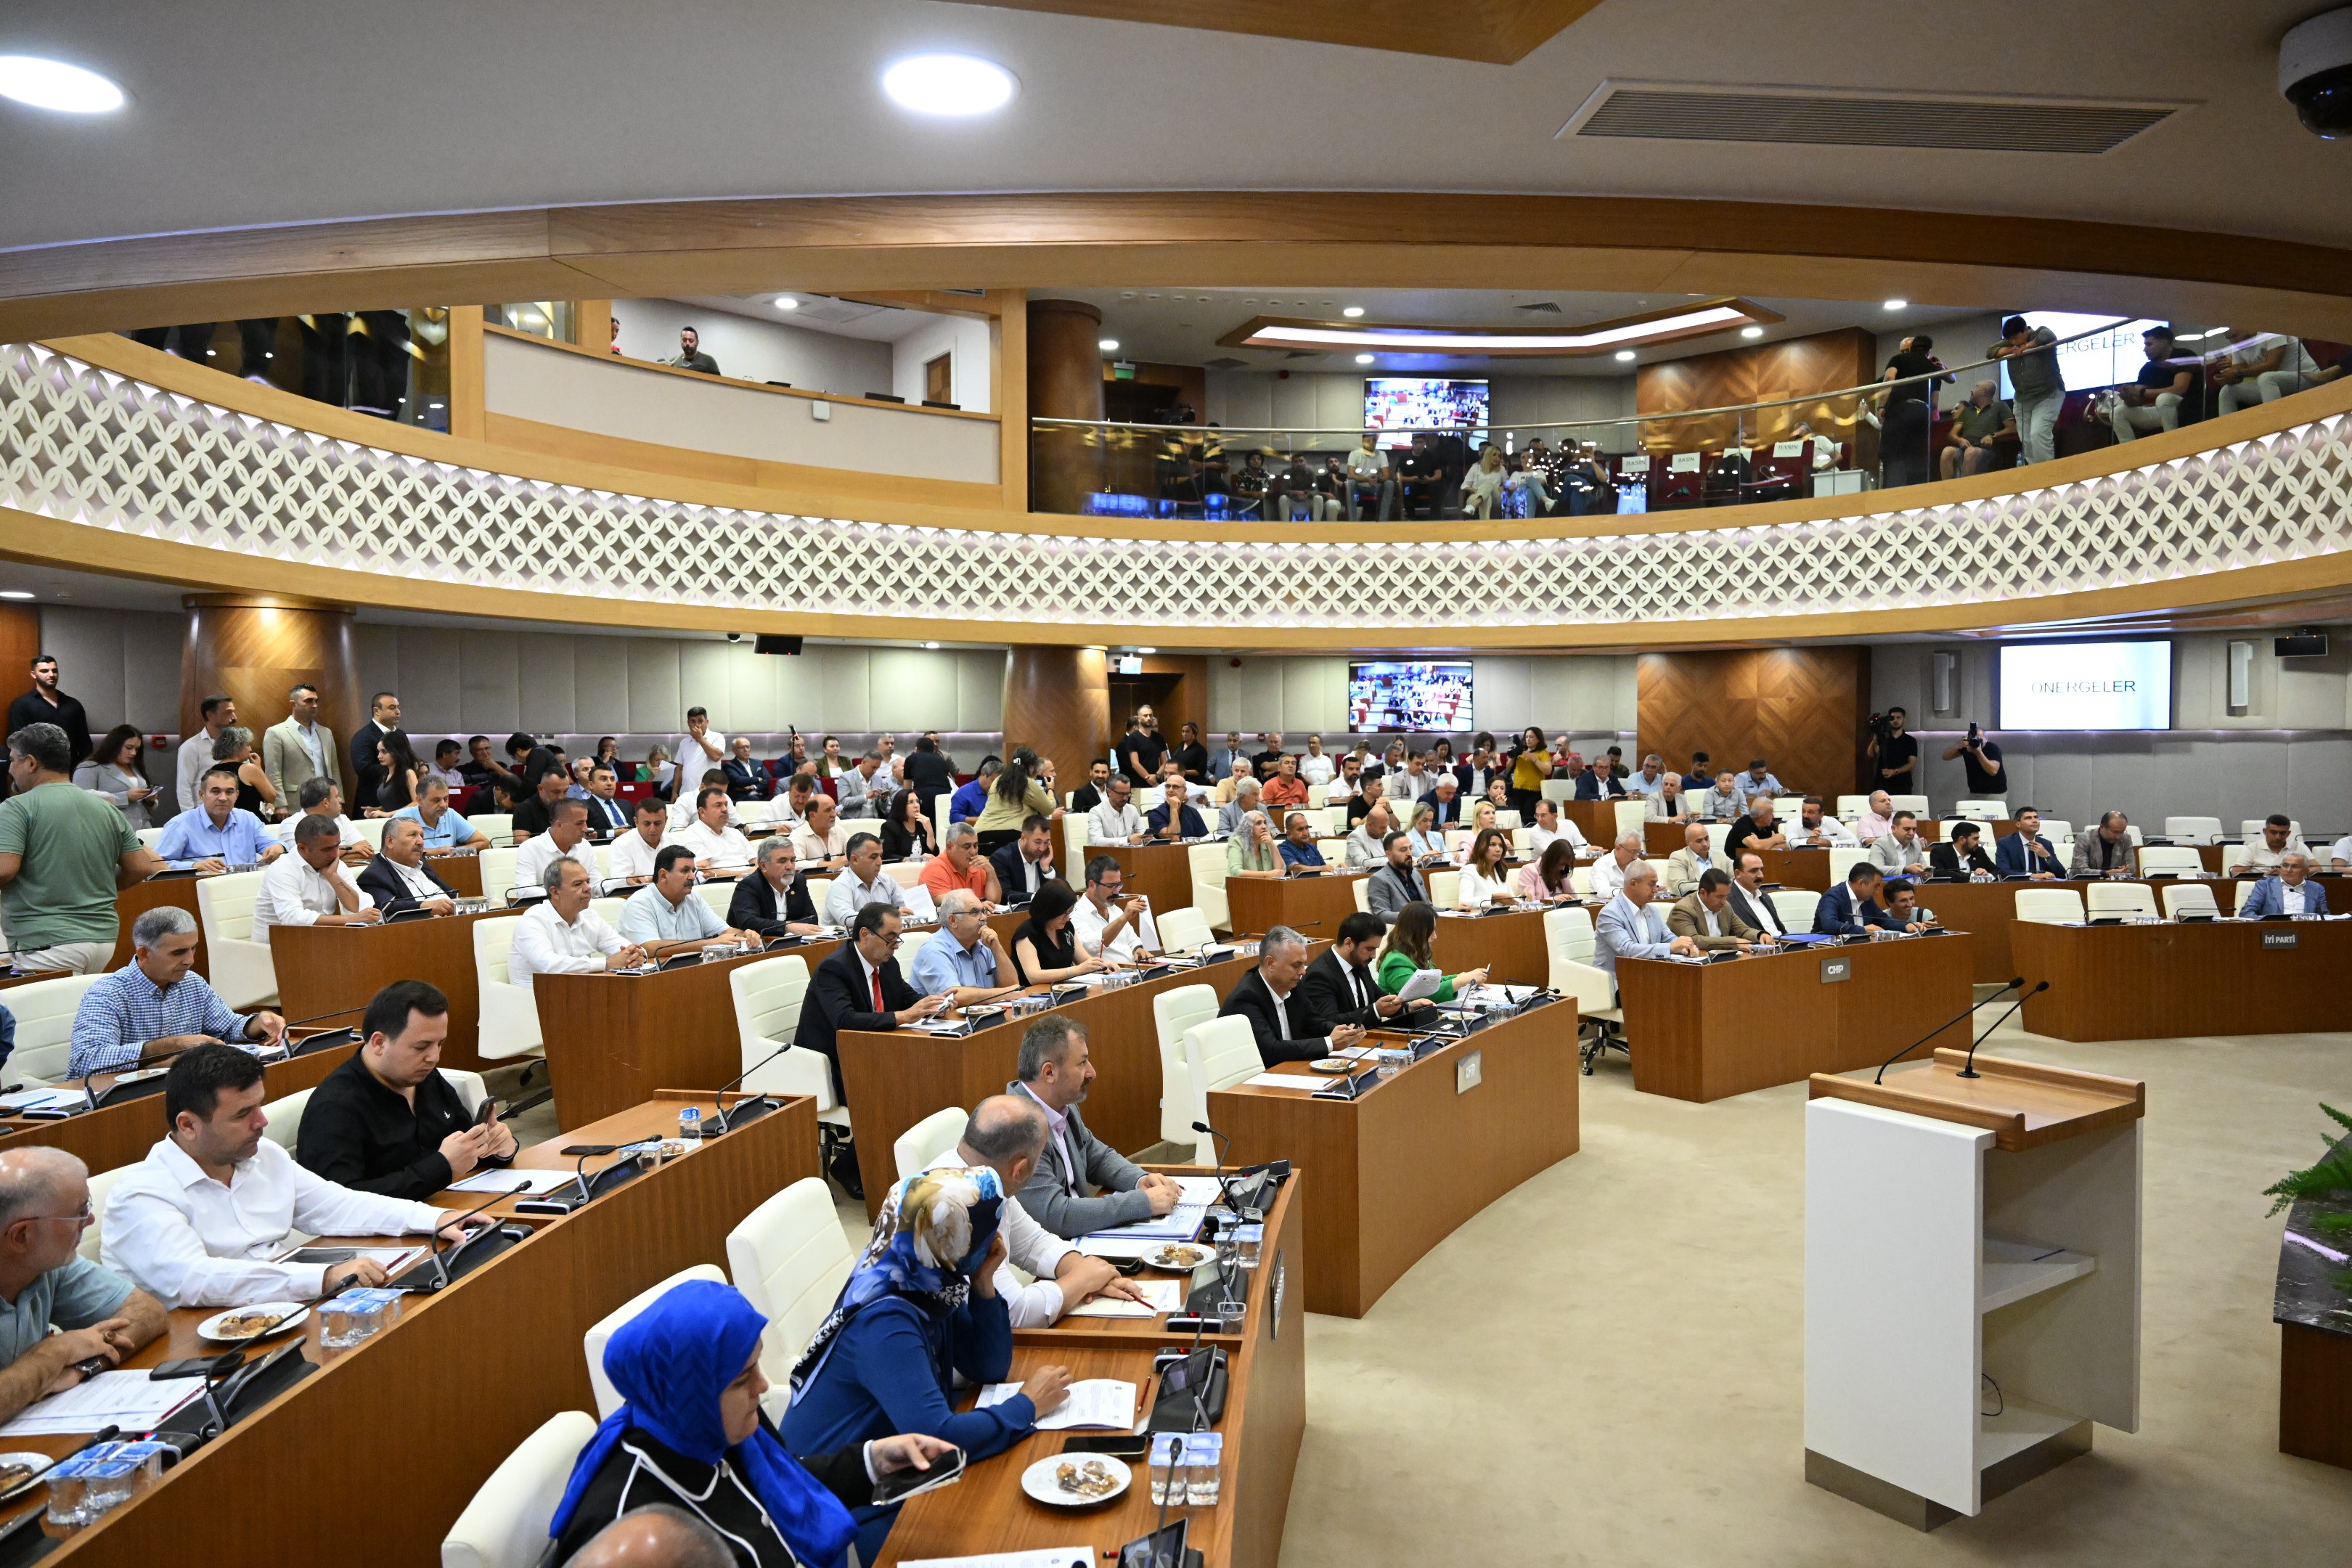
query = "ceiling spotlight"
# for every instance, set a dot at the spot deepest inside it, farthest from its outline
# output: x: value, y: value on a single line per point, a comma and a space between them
x: 1624, y: 356
x: 1109, y: 345
x: 14, y: 594
x: 53, y: 84
x: 1751, y: 332
x: 930, y: 645
x: 1363, y: 359
x: 1352, y: 312
x: 1141, y: 648
x: 947, y: 84
x: 786, y: 302
x: 1898, y: 305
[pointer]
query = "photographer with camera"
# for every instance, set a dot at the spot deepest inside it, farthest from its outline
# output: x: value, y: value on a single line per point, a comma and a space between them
x: 1987, y: 780
x: 1893, y: 754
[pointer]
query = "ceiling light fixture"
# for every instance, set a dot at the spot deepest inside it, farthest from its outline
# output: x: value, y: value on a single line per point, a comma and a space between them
x: 14, y: 594
x: 930, y: 645
x: 949, y: 85
x: 1287, y: 332
x: 1352, y: 312
x: 1141, y: 649
x: 1109, y: 345
x: 1751, y: 332
x: 1624, y: 356
x: 1363, y: 359
x: 55, y: 85
x: 1898, y: 305
x: 786, y: 302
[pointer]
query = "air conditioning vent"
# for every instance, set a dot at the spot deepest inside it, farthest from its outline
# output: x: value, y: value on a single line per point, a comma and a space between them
x: 1548, y: 307
x: 1304, y: 354
x: 1683, y: 112
x: 836, y: 313
x: 1228, y: 362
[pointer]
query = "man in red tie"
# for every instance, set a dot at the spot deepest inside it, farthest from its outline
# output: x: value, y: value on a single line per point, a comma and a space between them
x: 858, y: 986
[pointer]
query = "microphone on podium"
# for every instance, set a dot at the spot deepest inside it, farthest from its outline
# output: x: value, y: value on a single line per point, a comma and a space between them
x: 1969, y: 1069
x: 1970, y: 1011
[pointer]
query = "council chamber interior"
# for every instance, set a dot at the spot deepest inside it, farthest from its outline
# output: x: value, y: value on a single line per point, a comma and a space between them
x: 1009, y: 786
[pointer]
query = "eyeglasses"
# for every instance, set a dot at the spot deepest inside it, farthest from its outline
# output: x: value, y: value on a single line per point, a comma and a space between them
x: 82, y: 1216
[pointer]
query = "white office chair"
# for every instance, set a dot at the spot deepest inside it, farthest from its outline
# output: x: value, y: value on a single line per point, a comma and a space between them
x: 1509, y: 820
x: 819, y: 890
x: 1842, y: 860
x: 497, y: 826
x: 1317, y: 795
x: 1917, y: 804
x: 1073, y: 841
x: 1219, y: 1054
x: 371, y: 829
x: 102, y: 1182
x: 2170, y: 860
x: 1523, y: 842
x: 150, y: 837
x: 940, y: 804
x: 1457, y: 841
x: 608, y: 1398
x: 904, y: 873
x: 767, y: 994
x: 2193, y: 829
x: 603, y: 857
x: 2241, y: 891
x: 929, y: 1139
x: 1851, y: 807
x: 909, y: 945
x: 1982, y: 810
x: 2054, y: 828
x: 1657, y: 864
x: 498, y: 875
x: 1444, y: 888
x: 1716, y: 834
x: 43, y: 1010
x: 1567, y: 944
x: 472, y: 1090
x: 1558, y: 790
x: 1630, y: 816
x: 1180, y: 930
x: 1207, y: 862
x: 2190, y: 900
x: 2050, y: 906
x: 283, y: 1118
x: 608, y: 909
x: 1581, y: 879
x: 2131, y: 901
x: 505, y: 1525
x: 719, y: 896
x: 509, y: 1025
x: 1174, y: 1012
x: 1795, y: 906
x: 789, y: 1257
x: 1363, y: 889
x: 238, y: 967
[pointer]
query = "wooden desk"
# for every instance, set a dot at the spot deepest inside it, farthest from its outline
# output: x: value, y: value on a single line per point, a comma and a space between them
x: 1798, y: 868
x: 462, y: 872
x: 27, y: 977
x: 154, y: 893
x: 1390, y: 1175
x: 1285, y: 1228
x: 2165, y: 981
x: 322, y: 969
x: 1596, y: 819
x: 458, y: 1383
x: 894, y: 1080
x: 117, y: 1135
x: 1265, y: 1420
x: 1704, y: 1032
x: 1312, y: 905
x: 1510, y: 946
x: 1160, y: 872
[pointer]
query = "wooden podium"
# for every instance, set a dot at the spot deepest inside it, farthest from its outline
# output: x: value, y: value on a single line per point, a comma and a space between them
x: 1972, y: 1279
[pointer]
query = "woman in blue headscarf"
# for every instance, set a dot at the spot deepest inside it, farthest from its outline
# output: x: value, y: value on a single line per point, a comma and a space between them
x: 691, y: 1434
x: 920, y: 1306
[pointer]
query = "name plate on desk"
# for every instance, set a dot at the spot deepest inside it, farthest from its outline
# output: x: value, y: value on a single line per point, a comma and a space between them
x: 2273, y: 939
x: 1836, y: 969
x: 1469, y: 1072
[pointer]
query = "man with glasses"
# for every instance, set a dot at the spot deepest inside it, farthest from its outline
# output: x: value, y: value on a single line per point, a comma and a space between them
x: 1107, y: 924
x: 63, y: 1318
x: 965, y: 960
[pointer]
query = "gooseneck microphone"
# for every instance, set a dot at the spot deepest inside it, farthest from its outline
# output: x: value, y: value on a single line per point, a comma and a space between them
x: 1221, y: 1142
x: 758, y: 1105
x: 1969, y: 1069
x: 1968, y: 1012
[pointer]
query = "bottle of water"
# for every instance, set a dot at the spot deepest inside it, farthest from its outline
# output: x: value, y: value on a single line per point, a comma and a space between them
x: 689, y: 1122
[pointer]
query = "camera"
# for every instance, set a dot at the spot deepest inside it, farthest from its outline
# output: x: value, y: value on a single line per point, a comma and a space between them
x: 1881, y: 727
x: 2315, y: 72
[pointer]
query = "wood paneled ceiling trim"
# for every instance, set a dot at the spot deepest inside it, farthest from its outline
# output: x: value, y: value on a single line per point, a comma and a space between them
x: 1495, y: 31
x: 1672, y: 324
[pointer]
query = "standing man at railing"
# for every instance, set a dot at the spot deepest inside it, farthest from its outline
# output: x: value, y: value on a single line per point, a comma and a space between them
x: 690, y: 355
x: 2037, y: 391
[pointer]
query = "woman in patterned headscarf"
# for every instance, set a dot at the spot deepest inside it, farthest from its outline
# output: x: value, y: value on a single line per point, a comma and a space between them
x: 920, y: 1306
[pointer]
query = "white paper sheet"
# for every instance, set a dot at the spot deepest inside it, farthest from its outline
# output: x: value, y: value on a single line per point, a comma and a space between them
x: 507, y: 1181
x: 1044, y: 1557
x: 1424, y: 983
x: 1283, y: 1080
x: 130, y: 1400
x: 1198, y: 1189
x: 1106, y: 1402
x: 1164, y: 1296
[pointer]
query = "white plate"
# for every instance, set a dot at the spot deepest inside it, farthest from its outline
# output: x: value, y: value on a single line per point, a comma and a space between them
x: 38, y: 1462
x: 1160, y: 1257
x: 1038, y: 1481
x: 294, y: 1313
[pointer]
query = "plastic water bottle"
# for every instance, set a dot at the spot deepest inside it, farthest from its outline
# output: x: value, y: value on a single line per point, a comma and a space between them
x: 689, y: 1122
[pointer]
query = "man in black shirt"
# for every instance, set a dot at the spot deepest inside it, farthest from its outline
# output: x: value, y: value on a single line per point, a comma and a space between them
x: 1264, y: 761
x: 1896, y: 755
x: 532, y: 814
x: 1756, y: 830
x: 45, y: 704
x: 1140, y: 749
x: 1909, y: 412
x: 929, y: 770
x: 2166, y: 395
x: 1421, y: 475
x: 1987, y: 780
x: 386, y: 1120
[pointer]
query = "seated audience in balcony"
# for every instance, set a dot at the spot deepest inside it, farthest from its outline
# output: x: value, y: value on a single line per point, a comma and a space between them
x: 2165, y: 396
x: 1419, y: 477
x: 1251, y: 484
x: 1980, y: 424
x: 1369, y: 479
x: 1482, y: 487
x: 2260, y: 368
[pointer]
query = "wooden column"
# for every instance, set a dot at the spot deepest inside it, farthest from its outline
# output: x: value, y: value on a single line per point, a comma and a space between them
x: 469, y: 415
x: 255, y: 647
x: 1008, y: 391
x: 591, y: 324
x: 20, y: 644
x: 1065, y: 383
x: 1057, y: 703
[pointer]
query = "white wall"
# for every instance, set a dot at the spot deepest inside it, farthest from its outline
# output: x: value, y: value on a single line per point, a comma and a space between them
x: 1584, y: 694
x: 2290, y: 750
x: 962, y: 337
x: 124, y: 665
x: 1520, y: 400
x: 1957, y: 343
x: 757, y: 351
x: 1333, y: 399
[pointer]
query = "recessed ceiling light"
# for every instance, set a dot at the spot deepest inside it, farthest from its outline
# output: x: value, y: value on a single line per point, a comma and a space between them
x: 1140, y: 649
x: 1625, y: 355
x: 951, y: 85
x: 14, y: 594
x: 1899, y: 304
x: 53, y: 84
x: 786, y: 302
x: 1751, y: 332
x: 1352, y: 312
x: 930, y: 645
x: 1109, y: 345
x: 1363, y: 359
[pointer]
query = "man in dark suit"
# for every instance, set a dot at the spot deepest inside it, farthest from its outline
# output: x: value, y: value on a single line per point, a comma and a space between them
x: 747, y: 777
x: 1339, y: 987
x: 858, y: 987
x: 1748, y: 899
x: 774, y: 898
x: 1597, y: 783
x: 1267, y: 996
x: 399, y: 879
x: 1089, y: 794
x: 929, y: 772
x: 607, y: 813
x: 1852, y: 908
x: 2025, y: 853
x: 1963, y: 855
x: 1397, y: 883
x: 383, y: 718
x: 1026, y: 864
x: 1445, y: 800
x: 1080, y: 1184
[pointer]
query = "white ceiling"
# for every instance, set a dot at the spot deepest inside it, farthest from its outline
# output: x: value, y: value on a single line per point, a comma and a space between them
x: 276, y: 112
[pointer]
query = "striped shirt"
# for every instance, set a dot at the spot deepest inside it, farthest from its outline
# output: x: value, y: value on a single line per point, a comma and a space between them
x: 122, y: 1012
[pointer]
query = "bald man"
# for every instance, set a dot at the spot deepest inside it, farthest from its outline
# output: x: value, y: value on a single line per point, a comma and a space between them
x: 655, y: 1536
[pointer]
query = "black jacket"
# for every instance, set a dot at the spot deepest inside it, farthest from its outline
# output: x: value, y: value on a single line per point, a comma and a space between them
x: 928, y: 774
x: 607, y: 817
x: 754, y: 907
x: 365, y: 776
x: 1012, y: 873
x: 1330, y: 999
x: 839, y: 998
x: 621, y: 1485
x: 364, y: 1135
x: 1250, y: 999
x: 384, y: 888
x: 1944, y: 860
x: 746, y: 779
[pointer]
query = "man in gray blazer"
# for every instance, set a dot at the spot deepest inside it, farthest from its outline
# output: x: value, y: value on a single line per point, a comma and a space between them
x: 1630, y: 927
x: 1081, y: 1185
x: 300, y: 749
x: 1397, y: 883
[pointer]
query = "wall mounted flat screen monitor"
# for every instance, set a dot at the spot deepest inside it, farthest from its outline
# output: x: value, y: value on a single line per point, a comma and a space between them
x: 2110, y: 356
x: 1410, y: 695
x: 2087, y: 686
x: 1402, y: 403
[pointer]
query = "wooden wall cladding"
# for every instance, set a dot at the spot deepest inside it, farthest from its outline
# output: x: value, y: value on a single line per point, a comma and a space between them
x: 1794, y: 367
x: 255, y: 647
x: 1800, y: 708
x: 1495, y: 31
x: 1057, y: 703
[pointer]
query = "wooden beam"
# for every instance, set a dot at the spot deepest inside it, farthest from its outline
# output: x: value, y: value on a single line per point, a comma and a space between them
x: 469, y: 402
x: 1497, y: 32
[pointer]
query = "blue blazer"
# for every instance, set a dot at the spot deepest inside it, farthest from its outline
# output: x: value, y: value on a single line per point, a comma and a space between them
x: 1590, y: 786
x: 2269, y: 899
x: 1836, y: 914
x: 2010, y: 857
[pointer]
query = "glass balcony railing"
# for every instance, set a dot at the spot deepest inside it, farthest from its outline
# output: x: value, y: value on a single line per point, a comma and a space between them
x: 394, y: 365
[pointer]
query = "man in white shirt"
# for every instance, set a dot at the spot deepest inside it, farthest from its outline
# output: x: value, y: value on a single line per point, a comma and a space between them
x: 560, y: 934
x: 863, y: 787
x: 1816, y: 831
x: 862, y: 882
x: 195, y: 753
x: 2339, y: 857
x: 2262, y: 369
x: 631, y: 858
x: 1879, y: 820
x: 1317, y: 766
x: 789, y: 805
x: 323, y: 797
x: 308, y: 887
x: 1550, y: 825
x: 1650, y: 781
x: 1007, y: 1135
x: 1609, y: 872
x: 566, y: 838
x: 716, y: 846
x: 197, y: 1223
x: 1114, y: 819
x: 1107, y: 925
x: 2278, y: 840
x: 668, y: 915
x: 698, y: 751
x: 820, y: 840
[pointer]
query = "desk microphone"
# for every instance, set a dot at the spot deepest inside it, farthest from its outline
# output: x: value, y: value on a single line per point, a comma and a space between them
x: 440, y: 1259
x: 744, y: 1110
x: 1222, y: 1143
x: 1969, y: 1069
x: 1968, y: 1012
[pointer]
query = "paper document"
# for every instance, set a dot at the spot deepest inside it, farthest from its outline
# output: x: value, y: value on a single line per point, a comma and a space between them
x: 1356, y: 1052
x: 1424, y: 983
x: 42, y: 1099
x: 508, y: 1181
x: 1198, y: 1189
x: 1092, y: 1402
x: 1044, y: 1557
x: 919, y: 905
x: 1112, y: 1244
x: 1283, y: 1080
x: 1165, y: 1296
x: 130, y: 1400
x: 1181, y: 1223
